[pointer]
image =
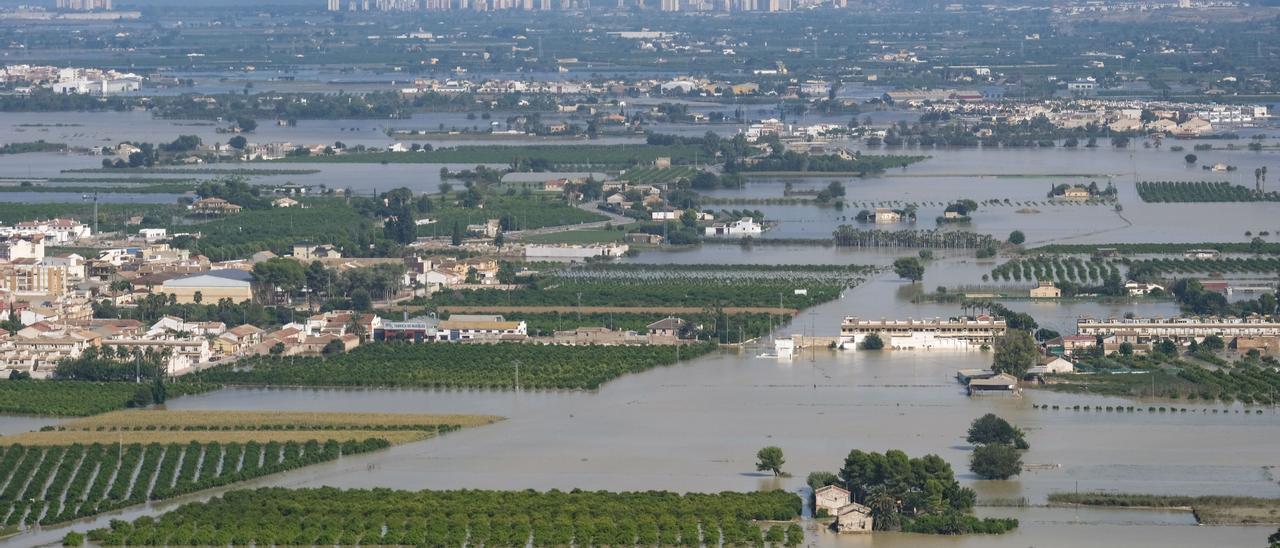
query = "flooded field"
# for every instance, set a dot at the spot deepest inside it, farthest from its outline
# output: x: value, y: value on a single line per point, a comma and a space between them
x: 696, y: 426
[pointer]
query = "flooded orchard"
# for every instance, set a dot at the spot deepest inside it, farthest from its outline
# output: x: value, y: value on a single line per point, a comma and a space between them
x: 696, y: 426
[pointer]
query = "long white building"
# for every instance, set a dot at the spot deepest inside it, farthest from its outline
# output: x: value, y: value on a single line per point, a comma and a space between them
x: 934, y: 334
x: 1180, y: 328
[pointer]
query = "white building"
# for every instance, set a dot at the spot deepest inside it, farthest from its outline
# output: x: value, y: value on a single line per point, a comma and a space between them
x: 745, y: 226
x: 39, y: 353
x: 935, y: 334
x: 22, y: 247
x: 152, y: 235
x: 1050, y: 365
x: 183, y: 354
x: 56, y: 231
x: 481, y: 327
x: 570, y: 251
x: 1137, y: 289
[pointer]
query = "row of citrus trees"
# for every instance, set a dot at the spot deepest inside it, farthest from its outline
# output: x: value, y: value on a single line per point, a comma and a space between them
x: 1249, y: 384
x: 1198, y: 266
x: 54, y: 484
x: 328, y: 516
x: 1054, y: 269
x: 658, y: 286
x: 496, y: 366
x: 1201, y: 191
x: 77, y: 398
x: 738, y: 326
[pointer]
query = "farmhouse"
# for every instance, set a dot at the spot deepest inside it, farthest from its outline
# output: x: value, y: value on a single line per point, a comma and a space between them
x: 830, y: 498
x: 885, y: 215
x: 745, y: 226
x: 853, y: 518
x: 1051, y: 365
x: 1046, y: 290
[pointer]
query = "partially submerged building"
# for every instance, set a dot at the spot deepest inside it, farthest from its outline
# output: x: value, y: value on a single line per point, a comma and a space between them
x: 937, y: 334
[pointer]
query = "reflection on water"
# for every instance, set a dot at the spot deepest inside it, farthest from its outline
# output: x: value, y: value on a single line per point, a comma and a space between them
x: 696, y: 426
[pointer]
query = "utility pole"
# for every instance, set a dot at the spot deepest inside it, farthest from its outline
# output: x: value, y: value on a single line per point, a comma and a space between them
x: 517, y: 364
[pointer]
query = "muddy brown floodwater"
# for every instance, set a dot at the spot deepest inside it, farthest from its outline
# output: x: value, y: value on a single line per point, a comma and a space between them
x: 696, y: 427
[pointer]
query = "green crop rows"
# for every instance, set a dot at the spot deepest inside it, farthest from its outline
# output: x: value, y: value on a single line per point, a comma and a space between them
x: 457, y: 365
x: 58, y: 483
x: 1201, y: 191
x: 328, y: 516
x: 1203, y: 266
x: 77, y: 398
x: 656, y: 175
x: 1056, y: 269
x: 658, y: 285
x: 1247, y: 384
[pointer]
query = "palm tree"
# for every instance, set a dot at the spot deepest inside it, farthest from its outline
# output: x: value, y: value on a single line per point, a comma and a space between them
x: 884, y: 509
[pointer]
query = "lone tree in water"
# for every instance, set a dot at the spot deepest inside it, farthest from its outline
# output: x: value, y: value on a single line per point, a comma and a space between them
x: 989, y: 429
x: 1015, y: 353
x: 909, y: 268
x: 998, y: 454
x: 1017, y: 237
x: 996, y: 461
x: 770, y: 459
x: 872, y: 342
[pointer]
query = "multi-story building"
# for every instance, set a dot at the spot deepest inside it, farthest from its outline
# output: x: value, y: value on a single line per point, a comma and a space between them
x: 22, y: 247
x: 28, y: 277
x: 936, y: 334
x: 55, y: 231
x: 1181, y: 328
x: 37, y: 352
x: 182, y: 355
x: 83, y: 5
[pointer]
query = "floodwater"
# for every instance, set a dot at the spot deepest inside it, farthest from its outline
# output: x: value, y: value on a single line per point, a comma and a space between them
x: 1024, y: 177
x: 696, y: 426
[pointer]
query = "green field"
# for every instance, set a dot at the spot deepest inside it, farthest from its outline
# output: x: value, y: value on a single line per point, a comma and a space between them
x: 58, y: 483
x: 1201, y: 191
x: 658, y: 175
x: 639, y: 285
x: 439, y: 365
x: 77, y: 398
x: 327, y: 516
x: 538, y: 211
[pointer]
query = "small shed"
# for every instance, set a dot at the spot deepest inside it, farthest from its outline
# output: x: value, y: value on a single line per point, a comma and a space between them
x: 1003, y: 383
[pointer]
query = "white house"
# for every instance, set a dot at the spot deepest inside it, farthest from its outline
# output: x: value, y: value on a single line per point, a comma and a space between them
x: 745, y: 226
x: 1050, y: 365
x: 1136, y: 289
x: 152, y: 234
x: 57, y: 231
